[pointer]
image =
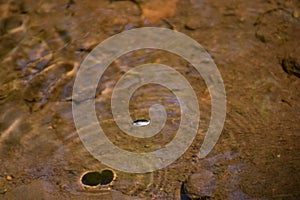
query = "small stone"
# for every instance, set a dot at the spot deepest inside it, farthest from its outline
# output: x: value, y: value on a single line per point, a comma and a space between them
x: 88, y: 45
x: 9, y: 178
x: 291, y: 66
x: 3, y: 191
x: 200, y: 185
x: 296, y: 14
x: 192, y: 24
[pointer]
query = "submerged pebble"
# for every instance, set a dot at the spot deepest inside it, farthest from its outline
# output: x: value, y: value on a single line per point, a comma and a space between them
x: 296, y: 14
x: 200, y: 185
x: 9, y: 178
x: 3, y: 191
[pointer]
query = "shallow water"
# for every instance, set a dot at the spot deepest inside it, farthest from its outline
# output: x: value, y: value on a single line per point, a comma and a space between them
x: 42, y: 46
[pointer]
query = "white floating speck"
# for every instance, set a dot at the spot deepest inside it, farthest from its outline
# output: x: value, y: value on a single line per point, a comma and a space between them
x: 141, y: 122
